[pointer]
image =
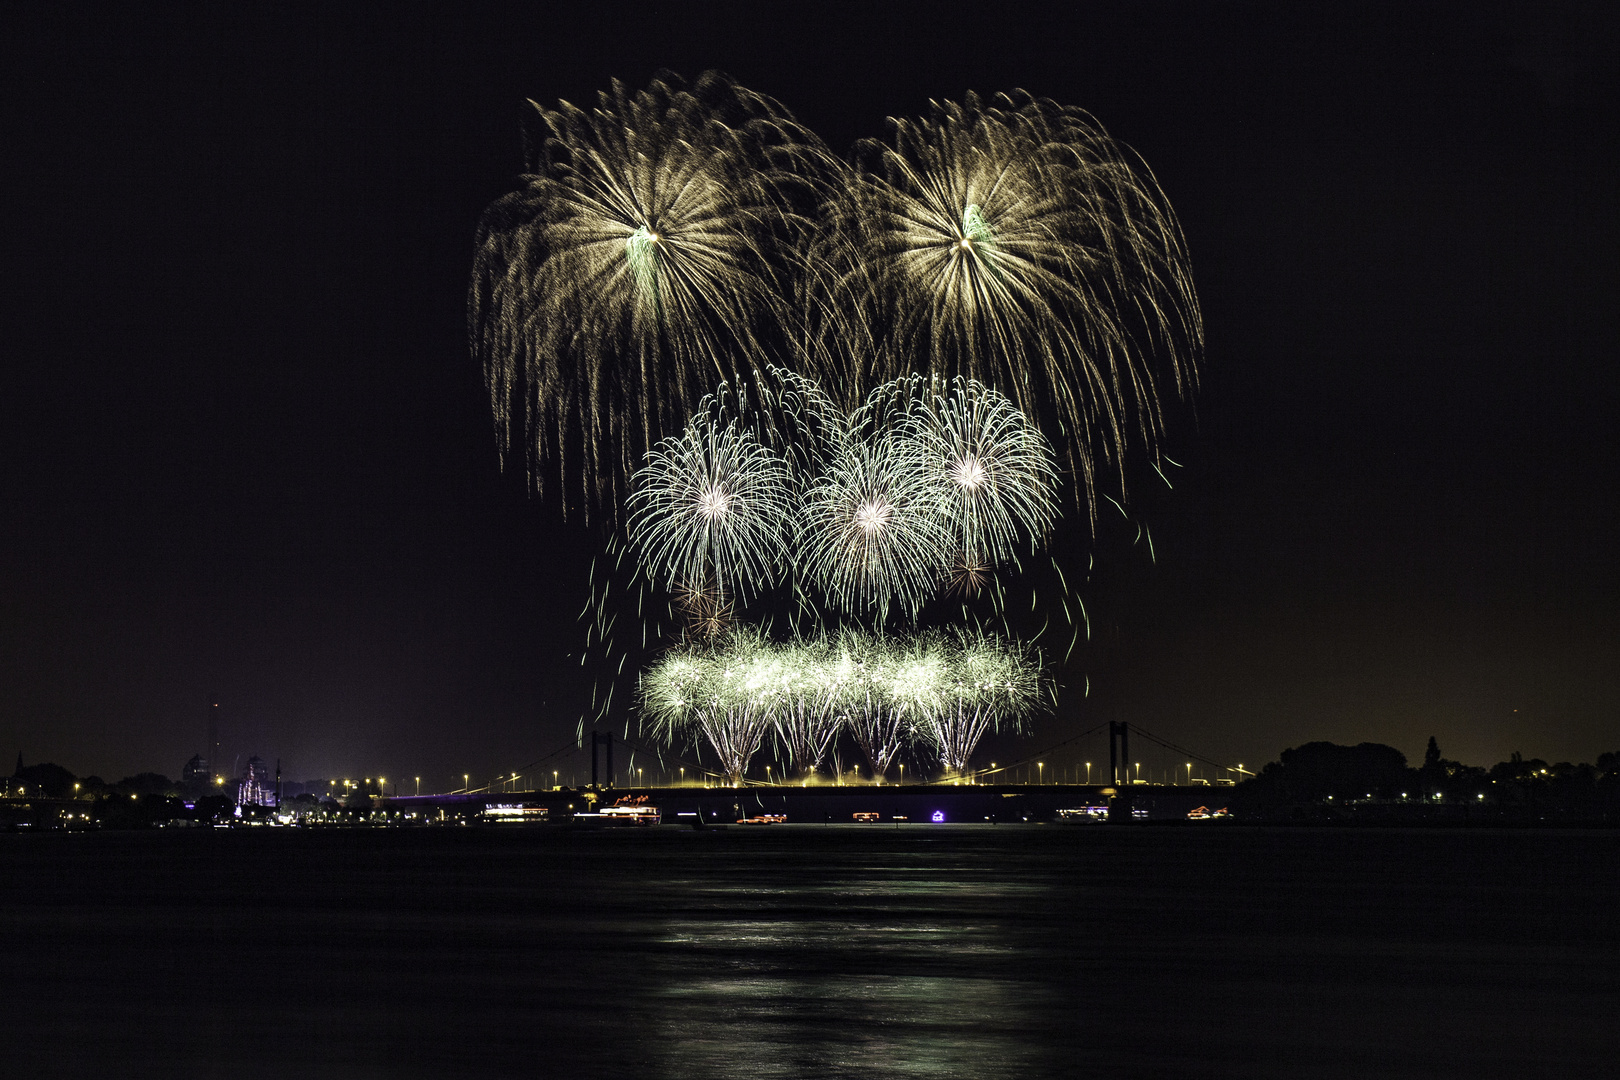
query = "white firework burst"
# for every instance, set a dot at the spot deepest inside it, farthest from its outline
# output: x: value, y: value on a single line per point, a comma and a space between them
x: 994, y: 477
x: 712, y: 509
x: 869, y: 538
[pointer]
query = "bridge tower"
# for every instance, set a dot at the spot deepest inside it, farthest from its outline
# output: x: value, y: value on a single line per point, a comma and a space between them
x: 1119, y: 767
x: 604, y: 739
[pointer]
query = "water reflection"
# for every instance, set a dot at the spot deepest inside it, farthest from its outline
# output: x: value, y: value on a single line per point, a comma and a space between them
x: 903, y: 969
x: 950, y: 951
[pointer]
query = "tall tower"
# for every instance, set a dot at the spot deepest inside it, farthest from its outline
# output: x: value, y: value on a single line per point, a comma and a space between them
x: 211, y: 747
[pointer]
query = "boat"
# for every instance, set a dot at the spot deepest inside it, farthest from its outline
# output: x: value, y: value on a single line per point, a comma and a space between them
x: 632, y: 810
x: 516, y: 814
x: 763, y: 819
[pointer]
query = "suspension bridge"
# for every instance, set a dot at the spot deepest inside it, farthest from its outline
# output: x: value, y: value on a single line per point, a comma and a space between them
x: 1137, y: 775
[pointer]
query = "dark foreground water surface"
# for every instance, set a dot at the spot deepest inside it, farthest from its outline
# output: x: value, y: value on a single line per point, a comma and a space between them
x: 807, y: 951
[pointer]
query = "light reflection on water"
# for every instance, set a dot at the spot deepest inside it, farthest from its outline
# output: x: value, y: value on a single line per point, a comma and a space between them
x: 958, y: 951
x: 898, y: 966
x: 774, y: 996
x: 786, y: 1025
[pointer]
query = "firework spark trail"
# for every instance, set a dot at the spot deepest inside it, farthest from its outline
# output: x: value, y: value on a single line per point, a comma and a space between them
x: 991, y: 682
x: 712, y: 508
x: 1014, y: 242
x: 868, y: 536
x: 908, y: 675
x: 893, y: 334
x: 941, y: 691
x: 725, y: 692
x: 876, y: 722
x: 873, y: 510
x: 809, y: 720
x: 650, y: 253
x: 993, y: 473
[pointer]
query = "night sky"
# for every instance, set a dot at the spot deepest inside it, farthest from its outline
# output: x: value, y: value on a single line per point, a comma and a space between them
x: 246, y: 457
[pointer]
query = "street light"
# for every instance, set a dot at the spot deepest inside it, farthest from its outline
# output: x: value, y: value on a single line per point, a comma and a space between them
x: 554, y: 783
x: 1189, y: 774
x: 638, y: 778
x: 466, y: 782
x: 683, y: 776
x: 1040, y: 773
x: 1088, y: 772
x: 419, y: 785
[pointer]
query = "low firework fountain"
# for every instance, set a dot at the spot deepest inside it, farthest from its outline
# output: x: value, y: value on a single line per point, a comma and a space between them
x: 942, y: 691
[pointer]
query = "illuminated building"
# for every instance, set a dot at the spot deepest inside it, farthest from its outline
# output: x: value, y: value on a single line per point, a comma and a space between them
x: 254, y: 788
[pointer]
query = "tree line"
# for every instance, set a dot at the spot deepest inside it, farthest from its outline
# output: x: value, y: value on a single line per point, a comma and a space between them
x: 1324, y: 780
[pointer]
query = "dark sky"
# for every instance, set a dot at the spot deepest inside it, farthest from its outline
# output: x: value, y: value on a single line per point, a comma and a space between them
x: 247, y: 459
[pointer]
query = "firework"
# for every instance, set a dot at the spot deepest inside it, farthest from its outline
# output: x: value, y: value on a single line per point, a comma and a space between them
x: 991, y: 683
x: 1015, y: 243
x: 920, y: 483
x: 868, y: 536
x: 648, y: 254
x: 889, y: 338
x: 711, y: 511
x: 890, y: 692
x: 992, y: 472
x: 808, y: 719
x: 727, y: 692
x: 896, y: 689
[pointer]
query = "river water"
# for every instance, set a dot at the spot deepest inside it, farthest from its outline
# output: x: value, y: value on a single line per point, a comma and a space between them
x: 807, y: 951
